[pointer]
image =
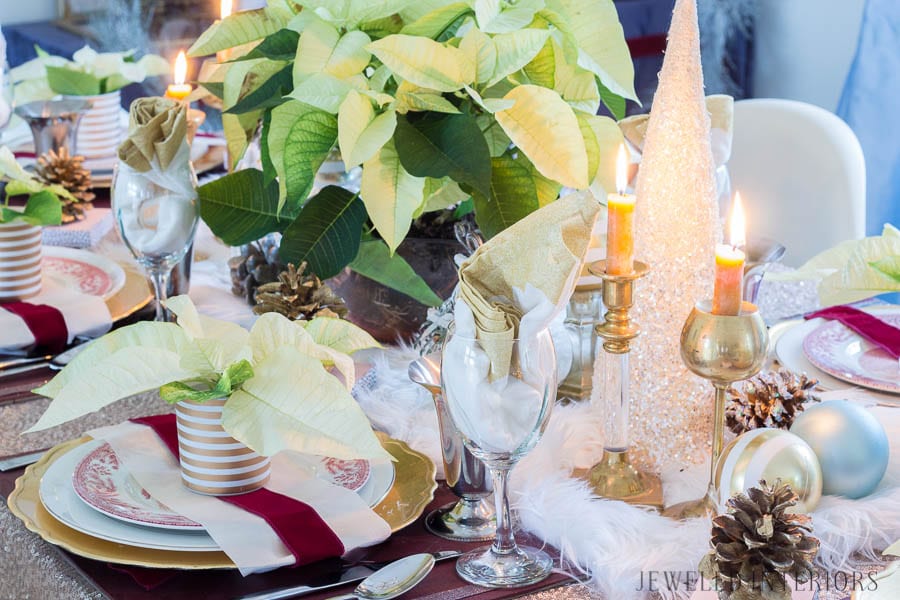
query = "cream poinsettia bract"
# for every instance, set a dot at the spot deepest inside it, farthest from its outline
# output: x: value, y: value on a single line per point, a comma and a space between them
x: 281, y: 394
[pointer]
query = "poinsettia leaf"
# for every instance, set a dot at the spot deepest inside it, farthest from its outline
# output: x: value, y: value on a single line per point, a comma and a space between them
x: 376, y: 262
x: 271, y: 412
x: 268, y: 90
x: 515, y: 50
x: 482, y: 52
x: 445, y: 146
x: 240, y: 28
x: 124, y: 373
x: 544, y: 127
x: 300, y: 138
x: 326, y: 234
x: 220, y: 343
x: 424, y: 62
x: 391, y: 194
x: 518, y: 190
x: 362, y: 132
x: 42, y: 208
x: 70, y: 82
x: 542, y: 68
x: 496, y: 16
x: 340, y: 335
x: 436, y: 22
x: 613, y: 102
x: 595, y: 26
x: 323, y: 91
x: 241, y: 207
x: 281, y: 45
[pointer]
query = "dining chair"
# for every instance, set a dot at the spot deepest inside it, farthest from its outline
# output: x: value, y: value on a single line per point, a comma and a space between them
x: 801, y: 174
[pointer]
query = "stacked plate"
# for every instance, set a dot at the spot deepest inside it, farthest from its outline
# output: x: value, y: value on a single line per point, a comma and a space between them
x: 90, y: 491
x: 839, y: 358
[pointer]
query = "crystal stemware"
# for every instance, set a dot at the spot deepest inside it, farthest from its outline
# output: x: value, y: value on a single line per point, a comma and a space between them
x: 499, y: 394
x: 156, y: 214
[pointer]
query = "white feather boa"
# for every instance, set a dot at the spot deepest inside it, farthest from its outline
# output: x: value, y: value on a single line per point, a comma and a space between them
x: 612, y: 543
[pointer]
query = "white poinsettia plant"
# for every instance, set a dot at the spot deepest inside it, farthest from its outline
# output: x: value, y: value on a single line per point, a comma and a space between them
x: 287, y: 383
x: 89, y: 73
x: 852, y: 270
x: 485, y: 105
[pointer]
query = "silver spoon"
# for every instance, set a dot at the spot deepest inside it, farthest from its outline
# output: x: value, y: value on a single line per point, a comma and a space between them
x: 393, y: 580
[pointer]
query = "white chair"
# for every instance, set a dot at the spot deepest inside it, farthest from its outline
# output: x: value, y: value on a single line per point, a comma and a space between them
x: 801, y: 174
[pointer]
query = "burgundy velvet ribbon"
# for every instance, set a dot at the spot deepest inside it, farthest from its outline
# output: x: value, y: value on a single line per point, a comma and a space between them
x: 299, y: 526
x: 883, y: 335
x: 46, y: 324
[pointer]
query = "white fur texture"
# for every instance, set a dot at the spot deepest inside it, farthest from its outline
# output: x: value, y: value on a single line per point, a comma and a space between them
x: 612, y: 543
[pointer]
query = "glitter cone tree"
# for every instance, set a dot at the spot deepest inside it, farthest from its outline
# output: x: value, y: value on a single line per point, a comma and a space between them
x: 677, y: 227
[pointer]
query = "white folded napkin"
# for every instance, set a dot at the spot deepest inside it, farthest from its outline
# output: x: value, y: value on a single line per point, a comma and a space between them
x: 246, y: 538
x: 85, y: 315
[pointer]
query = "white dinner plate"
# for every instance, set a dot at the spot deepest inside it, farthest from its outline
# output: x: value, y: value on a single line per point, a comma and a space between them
x: 842, y: 353
x: 789, y: 352
x: 101, y: 482
x: 82, y: 271
x: 59, y: 498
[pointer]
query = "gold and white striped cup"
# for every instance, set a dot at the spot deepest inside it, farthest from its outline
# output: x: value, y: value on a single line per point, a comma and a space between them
x: 213, y: 462
x: 20, y: 261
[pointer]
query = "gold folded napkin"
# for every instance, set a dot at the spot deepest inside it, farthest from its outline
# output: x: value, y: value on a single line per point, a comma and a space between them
x: 721, y: 114
x: 157, y: 128
x: 542, y: 252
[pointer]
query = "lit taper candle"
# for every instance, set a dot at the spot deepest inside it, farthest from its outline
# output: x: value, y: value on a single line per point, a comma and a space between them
x: 179, y: 90
x: 620, y: 222
x: 728, y: 291
x: 225, y: 10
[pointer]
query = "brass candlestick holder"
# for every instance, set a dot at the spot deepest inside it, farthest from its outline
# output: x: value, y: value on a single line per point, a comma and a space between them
x: 614, y: 476
x: 723, y: 349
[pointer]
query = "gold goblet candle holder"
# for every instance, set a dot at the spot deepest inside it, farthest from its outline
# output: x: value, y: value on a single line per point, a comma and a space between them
x: 614, y: 476
x: 722, y: 349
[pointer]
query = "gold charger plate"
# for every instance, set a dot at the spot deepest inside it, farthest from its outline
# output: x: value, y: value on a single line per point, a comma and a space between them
x: 133, y: 296
x: 412, y: 490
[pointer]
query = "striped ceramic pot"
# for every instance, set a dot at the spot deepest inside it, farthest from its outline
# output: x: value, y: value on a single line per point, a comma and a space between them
x: 20, y: 261
x: 213, y: 462
x: 100, y: 131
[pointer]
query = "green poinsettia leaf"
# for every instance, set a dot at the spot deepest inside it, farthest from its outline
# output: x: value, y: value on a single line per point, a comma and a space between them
x: 376, y: 262
x: 281, y: 45
x: 42, y: 208
x: 241, y: 28
x: 326, y: 234
x: 614, y: 102
x: 518, y: 190
x: 445, y: 146
x: 230, y: 380
x: 70, y: 82
x: 300, y: 138
x: 271, y: 413
x: 241, y: 207
x: 542, y: 68
x: 265, y: 87
x: 889, y: 266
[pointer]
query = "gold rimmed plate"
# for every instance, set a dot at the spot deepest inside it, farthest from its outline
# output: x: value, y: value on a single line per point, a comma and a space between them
x: 133, y: 296
x: 412, y: 490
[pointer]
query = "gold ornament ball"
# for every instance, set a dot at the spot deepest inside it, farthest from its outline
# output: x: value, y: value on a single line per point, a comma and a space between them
x: 770, y: 454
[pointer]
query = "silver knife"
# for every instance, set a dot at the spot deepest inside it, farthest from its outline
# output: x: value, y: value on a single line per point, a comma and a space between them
x: 352, y: 574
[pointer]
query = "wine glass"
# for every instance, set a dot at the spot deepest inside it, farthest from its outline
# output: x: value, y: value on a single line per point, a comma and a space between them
x: 156, y: 214
x: 499, y: 395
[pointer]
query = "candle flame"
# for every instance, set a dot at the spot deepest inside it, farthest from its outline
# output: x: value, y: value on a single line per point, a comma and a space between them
x: 621, y: 170
x: 737, y: 224
x: 225, y: 9
x: 180, y: 69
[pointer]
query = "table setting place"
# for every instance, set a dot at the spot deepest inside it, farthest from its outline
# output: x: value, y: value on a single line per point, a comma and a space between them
x: 418, y: 321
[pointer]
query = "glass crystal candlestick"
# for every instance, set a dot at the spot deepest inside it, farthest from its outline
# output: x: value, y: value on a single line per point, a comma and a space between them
x: 614, y: 476
x: 582, y: 314
x: 722, y: 349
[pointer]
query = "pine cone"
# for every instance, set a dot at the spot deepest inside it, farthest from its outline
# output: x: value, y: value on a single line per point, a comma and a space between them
x: 771, y: 399
x: 257, y: 264
x: 299, y: 296
x: 758, y: 543
x: 69, y: 172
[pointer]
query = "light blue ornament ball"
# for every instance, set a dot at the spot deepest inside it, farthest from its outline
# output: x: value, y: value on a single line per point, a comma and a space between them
x: 851, y: 444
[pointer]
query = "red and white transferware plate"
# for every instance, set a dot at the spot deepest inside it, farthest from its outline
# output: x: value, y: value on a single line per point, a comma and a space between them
x: 842, y: 353
x: 350, y: 474
x: 103, y: 485
x: 82, y: 271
